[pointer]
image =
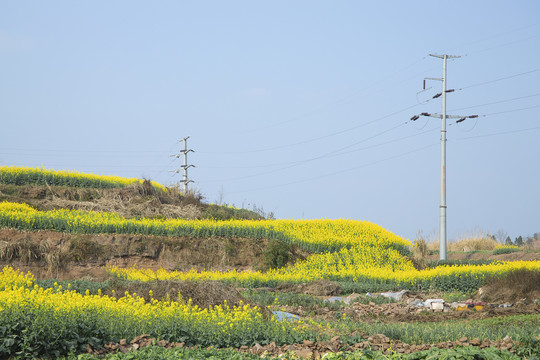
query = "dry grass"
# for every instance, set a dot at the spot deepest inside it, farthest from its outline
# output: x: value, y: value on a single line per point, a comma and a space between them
x: 518, y: 285
x: 28, y: 251
x: 204, y: 293
x: 420, y: 253
x: 476, y: 240
x: 317, y: 288
x: 135, y: 200
x: 473, y: 244
x: 24, y: 250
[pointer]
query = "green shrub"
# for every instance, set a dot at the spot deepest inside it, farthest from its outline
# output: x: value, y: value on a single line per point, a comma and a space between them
x: 222, y: 212
x: 277, y: 254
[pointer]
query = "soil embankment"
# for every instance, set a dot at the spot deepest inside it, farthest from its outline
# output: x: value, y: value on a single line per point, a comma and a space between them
x: 50, y: 254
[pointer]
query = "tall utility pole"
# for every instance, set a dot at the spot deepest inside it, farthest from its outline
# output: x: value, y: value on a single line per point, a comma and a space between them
x: 442, y: 236
x: 443, y: 116
x: 185, y: 181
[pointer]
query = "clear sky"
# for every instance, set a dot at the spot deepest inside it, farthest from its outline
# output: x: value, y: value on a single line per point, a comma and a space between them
x: 301, y: 108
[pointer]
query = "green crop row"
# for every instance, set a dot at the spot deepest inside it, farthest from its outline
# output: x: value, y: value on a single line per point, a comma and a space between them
x: 518, y: 327
x: 311, y: 235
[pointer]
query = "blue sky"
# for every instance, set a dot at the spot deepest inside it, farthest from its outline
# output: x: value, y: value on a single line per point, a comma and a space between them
x: 297, y: 107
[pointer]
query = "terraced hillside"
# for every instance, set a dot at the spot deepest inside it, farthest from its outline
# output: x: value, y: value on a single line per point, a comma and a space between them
x: 116, y: 261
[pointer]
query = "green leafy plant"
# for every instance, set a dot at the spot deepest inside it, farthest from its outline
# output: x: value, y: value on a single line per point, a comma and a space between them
x: 277, y: 254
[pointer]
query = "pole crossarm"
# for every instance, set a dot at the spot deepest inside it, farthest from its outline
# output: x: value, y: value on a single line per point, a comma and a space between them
x: 445, y: 56
x: 439, y: 116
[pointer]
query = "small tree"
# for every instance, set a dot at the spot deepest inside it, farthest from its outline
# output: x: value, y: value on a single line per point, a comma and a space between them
x: 519, y: 241
x: 501, y: 235
x: 508, y: 241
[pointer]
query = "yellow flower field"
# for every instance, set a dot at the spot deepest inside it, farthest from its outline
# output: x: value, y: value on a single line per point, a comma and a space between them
x: 343, y: 250
x: 312, y: 235
x: 62, y: 315
x: 401, y: 273
x: 22, y: 175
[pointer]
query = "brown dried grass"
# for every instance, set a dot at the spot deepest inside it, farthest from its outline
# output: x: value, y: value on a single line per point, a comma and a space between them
x: 317, y: 288
x: 518, y: 285
x: 30, y: 251
x: 24, y: 250
x: 473, y: 244
x: 135, y: 200
x: 204, y: 293
x: 467, y: 244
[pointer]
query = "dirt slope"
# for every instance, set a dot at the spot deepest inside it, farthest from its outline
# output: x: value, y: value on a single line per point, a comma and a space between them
x: 50, y: 254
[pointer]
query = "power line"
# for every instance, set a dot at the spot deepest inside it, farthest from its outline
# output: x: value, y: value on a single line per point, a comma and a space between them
x: 497, y: 102
x: 509, y: 111
x: 344, y: 99
x: 297, y: 163
x: 340, y: 151
x: 499, y: 79
x: 363, y: 124
x: 378, y: 119
x: 460, y: 119
x: 502, y: 45
x: 317, y: 138
x: 336, y: 172
x: 478, y: 84
x: 385, y: 143
x: 105, y: 152
x: 499, y: 133
x: 327, y: 155
x: 10, y: 151
x: 497, y: 35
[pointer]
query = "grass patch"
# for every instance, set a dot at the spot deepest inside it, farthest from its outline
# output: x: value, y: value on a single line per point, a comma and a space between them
x: 506, y: 249
x: 79, y: 285
x: 519, y: 327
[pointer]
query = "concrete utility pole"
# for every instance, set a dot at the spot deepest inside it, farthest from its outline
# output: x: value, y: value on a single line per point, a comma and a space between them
x: 185, y: 181
x: 443, y: 116
x: 442, y: 236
